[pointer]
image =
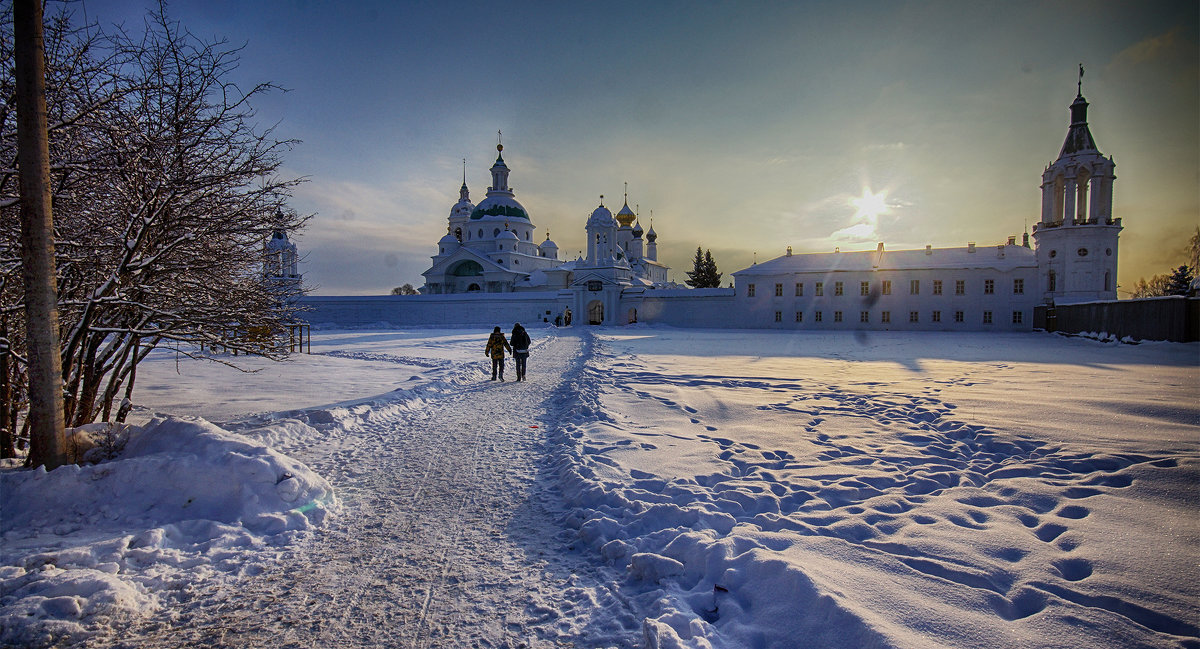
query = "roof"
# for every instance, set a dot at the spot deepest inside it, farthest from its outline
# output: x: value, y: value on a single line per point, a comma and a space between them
x: 1079, y: 137
x: 882, y: 260
x: 499, y: 206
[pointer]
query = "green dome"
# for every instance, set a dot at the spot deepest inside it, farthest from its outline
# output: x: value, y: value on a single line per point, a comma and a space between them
x: 499, y: 206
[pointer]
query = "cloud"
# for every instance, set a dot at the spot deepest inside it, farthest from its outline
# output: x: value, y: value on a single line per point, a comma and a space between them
x: 1150, y: 50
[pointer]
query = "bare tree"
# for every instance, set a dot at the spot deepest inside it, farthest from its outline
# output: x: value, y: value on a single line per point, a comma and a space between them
x: 168, y: 191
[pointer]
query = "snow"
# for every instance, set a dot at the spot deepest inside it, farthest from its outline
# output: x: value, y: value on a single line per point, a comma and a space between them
x: 648, y: 487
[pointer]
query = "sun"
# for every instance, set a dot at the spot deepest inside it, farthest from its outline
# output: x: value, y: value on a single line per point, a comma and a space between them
x: 870, y: 205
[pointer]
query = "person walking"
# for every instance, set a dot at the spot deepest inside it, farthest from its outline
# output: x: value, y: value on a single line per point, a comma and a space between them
x: 520, y: 349
x: 496, y: 345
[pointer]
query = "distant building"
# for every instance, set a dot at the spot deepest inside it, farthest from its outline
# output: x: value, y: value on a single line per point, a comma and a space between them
x: 958, y: 289
x: 489, y: 269
x: 280, y: 263
x: 490, y: 247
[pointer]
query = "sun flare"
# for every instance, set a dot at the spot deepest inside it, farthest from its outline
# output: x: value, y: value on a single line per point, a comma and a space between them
x: 870, y: 205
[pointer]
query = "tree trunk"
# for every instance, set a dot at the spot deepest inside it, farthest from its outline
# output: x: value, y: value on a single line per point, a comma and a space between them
x: 8, y: 448
x: 48, y: 441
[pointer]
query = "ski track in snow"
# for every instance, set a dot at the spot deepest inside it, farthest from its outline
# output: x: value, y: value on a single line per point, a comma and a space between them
x: 449, y: 537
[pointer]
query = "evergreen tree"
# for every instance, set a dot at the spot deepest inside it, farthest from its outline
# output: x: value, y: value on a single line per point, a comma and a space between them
x: 696, y: 275
x: 1180, y: 281
x: 712, y: 277
x: 704, y: 271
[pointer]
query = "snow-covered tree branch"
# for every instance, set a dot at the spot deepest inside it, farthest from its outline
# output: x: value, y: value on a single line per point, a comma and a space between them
x: 165, y: 191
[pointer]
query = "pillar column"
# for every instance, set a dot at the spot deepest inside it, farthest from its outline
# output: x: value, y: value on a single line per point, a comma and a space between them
x: 1069, y: 207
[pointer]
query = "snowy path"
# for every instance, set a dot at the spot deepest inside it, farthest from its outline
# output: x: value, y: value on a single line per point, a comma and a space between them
x: 448, y: 538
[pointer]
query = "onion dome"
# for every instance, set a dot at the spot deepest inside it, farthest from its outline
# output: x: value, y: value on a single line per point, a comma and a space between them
x: 601, y: 217
x: 548, y: 245
x: 637, y: 230
x: 651, y: 236
x: 464, y: 206
x: 507, y: 235
x: 504, y: 206
x: 448, y: 243
x: 626, y: 216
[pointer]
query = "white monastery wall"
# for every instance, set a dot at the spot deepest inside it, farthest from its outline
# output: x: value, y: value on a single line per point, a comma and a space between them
x: 409, y: 310
x: 704, y: 307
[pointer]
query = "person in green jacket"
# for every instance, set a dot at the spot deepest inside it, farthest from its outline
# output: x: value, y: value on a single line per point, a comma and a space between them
x: 496, y: 345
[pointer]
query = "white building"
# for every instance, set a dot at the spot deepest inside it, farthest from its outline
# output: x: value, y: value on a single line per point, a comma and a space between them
x: 490, y: 248
x: 1077, y: 236
x: 991, y: 288
x: 280, y: 261
x: 951, y: 289
x: 490, y: 270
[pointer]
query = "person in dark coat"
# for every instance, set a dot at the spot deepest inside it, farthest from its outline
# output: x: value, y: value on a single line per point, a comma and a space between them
x: 496, y: 345
x: 520, y: 349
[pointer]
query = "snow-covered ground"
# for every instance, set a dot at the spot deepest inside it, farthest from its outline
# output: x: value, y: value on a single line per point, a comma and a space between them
x: 648, y: 487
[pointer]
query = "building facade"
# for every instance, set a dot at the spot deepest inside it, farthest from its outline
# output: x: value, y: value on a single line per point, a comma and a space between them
x: 488, y: 266
x: 992, y: 288
x: 491, y: 248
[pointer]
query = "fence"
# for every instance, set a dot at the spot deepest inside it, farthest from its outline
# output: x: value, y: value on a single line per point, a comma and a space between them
x: 1174, y: 318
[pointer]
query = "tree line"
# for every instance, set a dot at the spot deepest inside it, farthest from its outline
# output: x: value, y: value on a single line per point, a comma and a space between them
x: 1176, y: 282
x: 164, y: 192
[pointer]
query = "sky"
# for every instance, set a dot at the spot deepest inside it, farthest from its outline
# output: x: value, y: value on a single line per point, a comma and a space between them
x: 743, y: 127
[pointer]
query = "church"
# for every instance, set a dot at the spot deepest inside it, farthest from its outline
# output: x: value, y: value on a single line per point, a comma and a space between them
x: 490, y: 248
x: 490, y: 268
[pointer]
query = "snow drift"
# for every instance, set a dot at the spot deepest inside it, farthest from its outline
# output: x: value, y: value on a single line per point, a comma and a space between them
x: 206, y: 500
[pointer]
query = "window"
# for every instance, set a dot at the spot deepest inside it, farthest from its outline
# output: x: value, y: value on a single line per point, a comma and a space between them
x: 937, y: 287
x: 960, y: 287
x: 914, y: 287
x: 1107, y: 281
x: 987, y: 317
x: 817, y: 316
x: 837, y: 288
x: 958, y: 316
x: 799, y: 289
x: 864, y: 288
x: 1052, y: 281
x: 937, y: 316
x: 799, y: 316
x: 495, y: 233
x: 989, y: 286
x: 820, y: 288
x: 913, y: 317
x: 480, y: 235
x: 1018, y: 317
x: 1082, y: 252
x: 779, y: 316
x: 885, y: 317
x: 887, y: 287
x: 1018, y: 287
x: 837, y: 316
x: 749, y: 290
x: 779, y: 290
x: 865, y: 316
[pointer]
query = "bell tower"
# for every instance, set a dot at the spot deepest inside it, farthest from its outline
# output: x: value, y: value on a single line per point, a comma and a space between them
x: 1076, y: 237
